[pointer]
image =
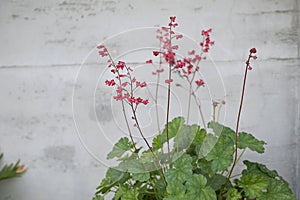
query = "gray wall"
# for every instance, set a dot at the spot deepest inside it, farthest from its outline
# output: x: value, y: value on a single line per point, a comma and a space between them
x: 43, y: 44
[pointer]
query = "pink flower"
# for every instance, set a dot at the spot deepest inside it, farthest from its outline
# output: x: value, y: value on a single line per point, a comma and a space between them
x: 160, y: 70
x: 191, y: 52
x: 139, y: 84
x: 180, y: 64
x: 199, y: 82
x: 119, y: 90
x: 149, y: 61
x: 168, y: 81
x: 145, y: 102
x: 110, y: 83
x: 120, y: 65
x: 179, y: 36
x: 172, y: 18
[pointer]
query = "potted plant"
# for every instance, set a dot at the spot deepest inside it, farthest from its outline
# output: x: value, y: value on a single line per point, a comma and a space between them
x: 183, y: 161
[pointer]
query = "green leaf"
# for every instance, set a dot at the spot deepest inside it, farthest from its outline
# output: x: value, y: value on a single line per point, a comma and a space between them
x: 12, y: 170
x: 207, y: 145
x: 277, y: 190
x: 233, y: 194
x: 157, y: 143
x: 122, y: 189
x: 142, y: 177
x: 259, y: 169
x: 253, y: 185
x: 160, y: 188
x: 120, y: 148
x: 130, y: 195
x: 222, y: 153
x: 197, y: 190
x: 205, y: 167
x: 246, y: 140
x: 216, y: 181
x: 185, y: 137
x: 98, y: 197
x: 176, y: 191
x: 182, y: 171
x: 173, y: 128
x: 198, y: 140
x: 220, y: 129
x: 113, y: 177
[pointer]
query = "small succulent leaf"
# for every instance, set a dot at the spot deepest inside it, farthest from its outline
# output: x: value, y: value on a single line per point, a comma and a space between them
x: 222, y: 153
x: 182, y: 171
x: 247, y: 140
x: 233, y: 194
x: 197, y: 189
x: 277, y: 190
x: 142, y: 177
x: 253, y: 185
x: 122, y: 146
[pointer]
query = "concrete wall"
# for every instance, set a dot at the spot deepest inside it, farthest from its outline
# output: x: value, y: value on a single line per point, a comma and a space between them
x: 43, y: 44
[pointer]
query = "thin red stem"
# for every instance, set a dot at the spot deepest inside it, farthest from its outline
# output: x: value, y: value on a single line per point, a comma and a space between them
x: 237, y: 126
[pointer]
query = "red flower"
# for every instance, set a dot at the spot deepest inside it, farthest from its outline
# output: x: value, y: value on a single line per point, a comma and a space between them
x: 155, y: 53
x: 120, y: 65
x: 180, y: 64
x: 149, y: 61
x: 199, y: 82
x: 173, y: 18
x: 145, y: 102
x: 110, y: 83
x: 253, y: 50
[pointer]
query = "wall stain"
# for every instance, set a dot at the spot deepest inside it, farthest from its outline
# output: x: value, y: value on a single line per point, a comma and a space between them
x: 59, y: 157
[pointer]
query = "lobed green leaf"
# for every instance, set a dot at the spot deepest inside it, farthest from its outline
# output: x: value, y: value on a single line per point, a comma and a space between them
x: 246, y: 140
x: 122, y: 146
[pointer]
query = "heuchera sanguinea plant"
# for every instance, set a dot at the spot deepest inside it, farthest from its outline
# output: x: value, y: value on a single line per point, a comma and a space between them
x: 182, y: 161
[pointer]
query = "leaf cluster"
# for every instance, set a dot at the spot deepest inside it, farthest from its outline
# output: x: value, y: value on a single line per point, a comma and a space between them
x: 198, y: 170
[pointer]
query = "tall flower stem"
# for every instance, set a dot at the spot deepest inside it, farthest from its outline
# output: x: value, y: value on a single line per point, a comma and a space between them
x: 122, y: 103
x: 169, y: 94
x: 248, y: 67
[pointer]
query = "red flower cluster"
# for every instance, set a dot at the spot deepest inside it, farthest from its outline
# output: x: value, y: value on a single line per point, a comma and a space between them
x: 102, y: 50
x: 206, y: 43
x: 199, y: 82
x: 127, y: 85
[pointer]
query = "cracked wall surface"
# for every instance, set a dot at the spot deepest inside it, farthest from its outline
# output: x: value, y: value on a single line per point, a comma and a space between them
x: 44, y: 44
